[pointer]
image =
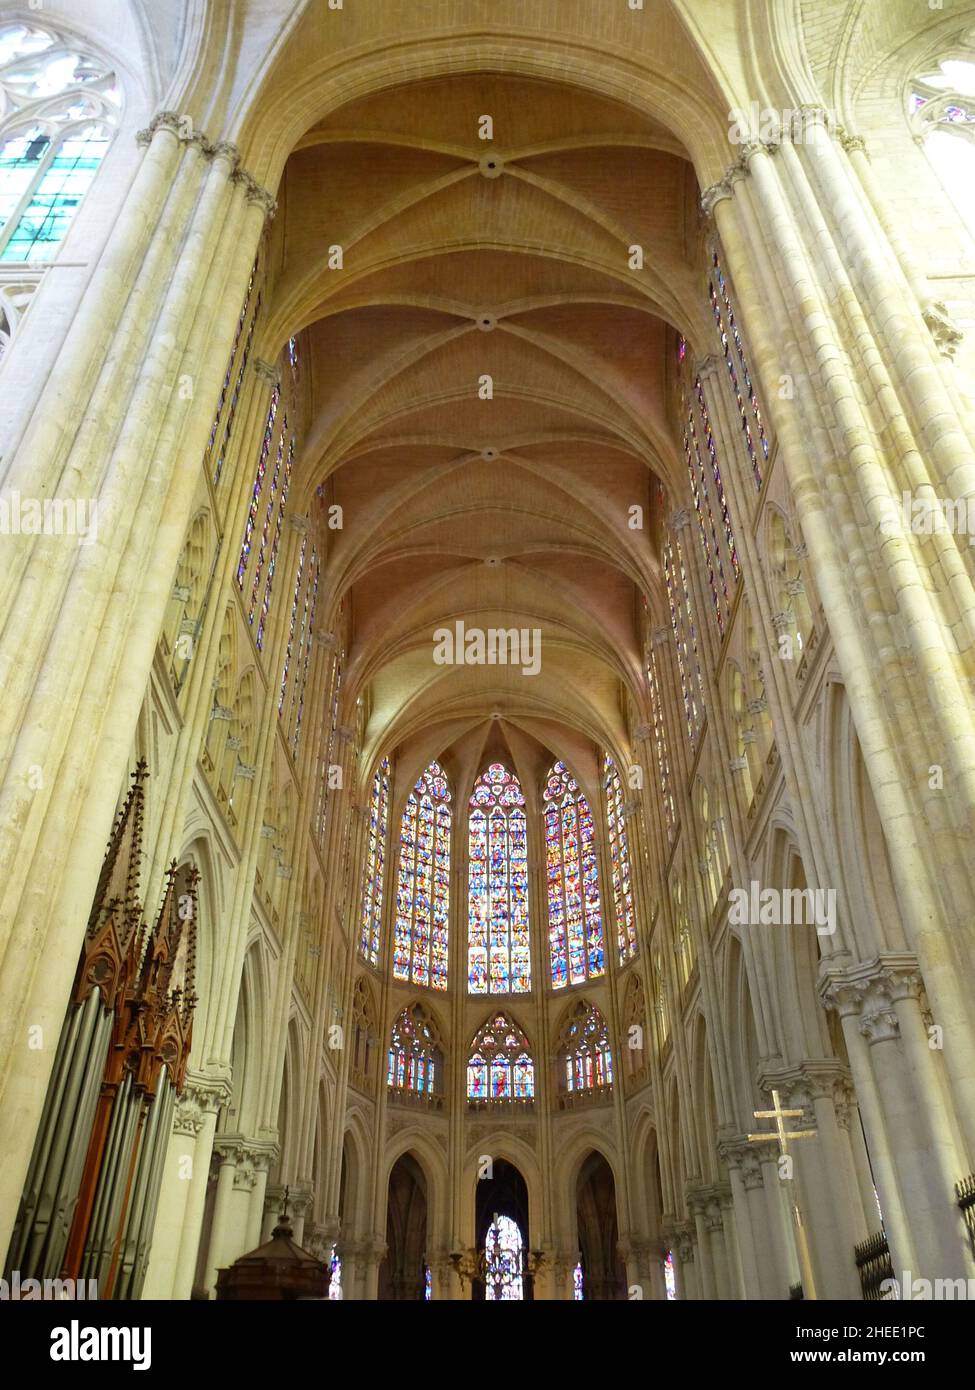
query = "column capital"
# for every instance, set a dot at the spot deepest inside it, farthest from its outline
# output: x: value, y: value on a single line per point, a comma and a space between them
x: 708, y: 367
x: 882, y: 1026
x: 872, y: 986
x: 163, y: 120
x: 265, y: 370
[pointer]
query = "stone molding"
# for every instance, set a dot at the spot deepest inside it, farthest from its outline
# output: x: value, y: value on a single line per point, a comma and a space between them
x: 186, y: 133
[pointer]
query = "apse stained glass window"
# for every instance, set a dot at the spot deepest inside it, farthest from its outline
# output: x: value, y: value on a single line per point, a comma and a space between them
x: 660, y: 746
x: 423, y: 884
x: 427, y: 1283
x: 374, y: 870
x: 59, y: 108
x: 415, y: 1061
x: 503, y: 1260
x: 498, y: 952
x: 670, y: 1279
x: 577, y: 1284
x: 585, y: 1057
x: 619, y: 858
x: 749, y: 410
x: 500, y: 1067
x: 575, y: 919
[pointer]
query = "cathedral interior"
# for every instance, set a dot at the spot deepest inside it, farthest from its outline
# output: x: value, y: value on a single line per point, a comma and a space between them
x: 487, y: 779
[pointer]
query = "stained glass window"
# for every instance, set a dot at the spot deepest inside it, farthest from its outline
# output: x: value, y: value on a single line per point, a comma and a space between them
x: 230, y: 379
x: 719, y: 492
x: 427, y: 1283
x: 299, y: 644
x: 710, y: 503
x: 577, y: 1284
x: 670, y: 1279
x: 749, y: 410
x: 500, y: 1067
x: 58, y: 111
x: 375, y: 865
x: 575, y: 918
x: 328, y: 746
x: 619, y: 858
x: 292, y: 624
x: 415, y: 1061
x: 705, y: 517
x: 335, y: 1276
x: 255, y: 502
x: 498, y: 952
x: 585, y: 1057
x: 423, y: 885
x: 942, y: 107
x: 503, y: 1260
x: 285, y: 483
x: 660, y: 746
x: 685, y: 635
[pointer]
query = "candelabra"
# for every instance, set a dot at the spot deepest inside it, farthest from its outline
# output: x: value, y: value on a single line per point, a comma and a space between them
x: 497, y: 1265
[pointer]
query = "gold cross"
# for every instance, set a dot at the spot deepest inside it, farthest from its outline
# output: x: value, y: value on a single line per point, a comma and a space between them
x: 782, y: 1134
x: 779, y: 1116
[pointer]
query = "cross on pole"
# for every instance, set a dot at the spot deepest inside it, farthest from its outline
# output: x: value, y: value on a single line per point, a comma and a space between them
x: 783, y: 1135
x: 779, y: 1116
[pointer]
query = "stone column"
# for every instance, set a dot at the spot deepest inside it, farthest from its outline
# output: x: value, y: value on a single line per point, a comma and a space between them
x: 911, y: 1141
x: 744, y: 1175
x: 81, y: 621
x: 686, y: 1273
x: 697, y: 1203
x: 719, y: 1242
x: 182, y: 1197
x: 779, y: 1221
x: 819, y: 1185
x: 446, y: 1284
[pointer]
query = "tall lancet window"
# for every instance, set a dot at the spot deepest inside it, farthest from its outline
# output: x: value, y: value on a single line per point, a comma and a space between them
x: 59, y: 108
x: 685, y: 635
x: 500, y: 1067
x: 942, y: 112
x: 749, y: 410
x: 575, y: 917
x: 503, y: 1260
x: 619, y: 858
x: 423, y: 886
x: 373, y: 875
x: 498, y: 952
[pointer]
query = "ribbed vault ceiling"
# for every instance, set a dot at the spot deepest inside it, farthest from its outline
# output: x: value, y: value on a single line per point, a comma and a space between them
x: 466, y: 259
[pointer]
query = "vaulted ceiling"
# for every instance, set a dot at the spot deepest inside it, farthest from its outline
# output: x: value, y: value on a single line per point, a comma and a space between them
x: 489, y: 379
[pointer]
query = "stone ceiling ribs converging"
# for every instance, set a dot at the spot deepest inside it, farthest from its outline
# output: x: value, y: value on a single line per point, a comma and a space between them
x: 489, y: 377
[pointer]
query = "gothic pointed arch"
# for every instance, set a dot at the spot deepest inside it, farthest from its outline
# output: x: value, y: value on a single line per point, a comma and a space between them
x: 500, y: 1066
x: 498, y: 945
x: 575, y: 916
x: 420, y: 937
